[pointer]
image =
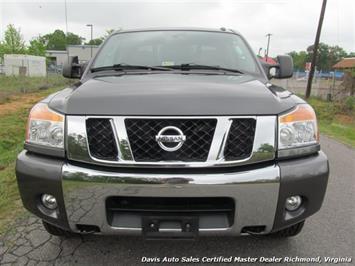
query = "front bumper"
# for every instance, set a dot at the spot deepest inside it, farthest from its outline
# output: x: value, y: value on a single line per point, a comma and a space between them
x: 259, y: 191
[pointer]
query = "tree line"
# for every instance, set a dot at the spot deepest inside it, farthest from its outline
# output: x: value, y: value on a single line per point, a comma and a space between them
x: 327, y: 57
x: 14, y: 43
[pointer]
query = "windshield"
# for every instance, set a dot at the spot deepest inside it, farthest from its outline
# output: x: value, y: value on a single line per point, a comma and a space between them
x: 173, y: 48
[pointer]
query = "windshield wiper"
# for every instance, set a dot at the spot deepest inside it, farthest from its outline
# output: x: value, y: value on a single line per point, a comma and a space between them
x: 122, y: 67
x: 190, y: 66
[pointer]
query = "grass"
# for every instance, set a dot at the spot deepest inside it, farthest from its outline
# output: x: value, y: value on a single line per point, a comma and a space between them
x: 336, y: 119
x: 11, y: 85
x: 10, y: 203
x: 12, y: 132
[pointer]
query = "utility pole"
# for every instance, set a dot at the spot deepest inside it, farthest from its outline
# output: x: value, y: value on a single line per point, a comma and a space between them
x: 315, y: 50
x: 268, y: 46
x: 91, y: 26
x: 66, y: 17
x: 66, y: 28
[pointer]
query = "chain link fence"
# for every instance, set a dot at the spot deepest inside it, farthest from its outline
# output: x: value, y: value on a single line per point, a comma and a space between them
x: 327, y: 86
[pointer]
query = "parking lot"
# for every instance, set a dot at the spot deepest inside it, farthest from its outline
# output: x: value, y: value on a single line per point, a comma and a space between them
x: 329, y: 233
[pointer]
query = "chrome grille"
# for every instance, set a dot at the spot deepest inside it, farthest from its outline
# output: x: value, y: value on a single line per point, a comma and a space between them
x: 240, y: 139
x: 101, y: 139
x: 142, y: 132
x: 233, y: 141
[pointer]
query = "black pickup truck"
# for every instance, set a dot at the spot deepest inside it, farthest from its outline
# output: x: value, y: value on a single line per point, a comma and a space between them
x: 173, y: 133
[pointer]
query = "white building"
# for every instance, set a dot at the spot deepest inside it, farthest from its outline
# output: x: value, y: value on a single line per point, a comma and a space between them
x: 82, y: 51
x: 57, y: 57
x: 26, y: 65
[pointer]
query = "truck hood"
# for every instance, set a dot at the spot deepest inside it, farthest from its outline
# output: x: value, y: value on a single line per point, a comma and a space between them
x: 173, y: 94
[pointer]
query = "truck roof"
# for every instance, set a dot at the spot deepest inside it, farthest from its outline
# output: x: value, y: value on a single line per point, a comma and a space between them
x: 222, y: 29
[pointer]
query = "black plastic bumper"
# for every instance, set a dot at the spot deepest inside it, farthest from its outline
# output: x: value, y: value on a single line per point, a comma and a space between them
x: 306, y: 177
x: 37, y: 175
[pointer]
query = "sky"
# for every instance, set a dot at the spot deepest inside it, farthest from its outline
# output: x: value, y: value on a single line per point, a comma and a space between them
x: 292, y: 23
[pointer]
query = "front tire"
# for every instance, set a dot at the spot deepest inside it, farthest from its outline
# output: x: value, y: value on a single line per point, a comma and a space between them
x: 56, y: 231
x: 290, y: 231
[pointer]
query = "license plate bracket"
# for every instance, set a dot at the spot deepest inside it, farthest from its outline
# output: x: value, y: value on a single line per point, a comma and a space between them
x: 170, y: 227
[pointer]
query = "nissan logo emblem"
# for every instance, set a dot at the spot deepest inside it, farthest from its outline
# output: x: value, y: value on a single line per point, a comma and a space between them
x: 170, y: 138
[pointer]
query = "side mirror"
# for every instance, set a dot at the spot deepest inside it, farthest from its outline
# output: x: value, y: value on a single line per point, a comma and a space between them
x: 282, y: 70
x: 72, y: 68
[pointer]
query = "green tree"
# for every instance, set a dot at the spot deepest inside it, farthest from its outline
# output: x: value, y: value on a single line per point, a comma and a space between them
x: 13, y: 42
x: 100, y: 40
x: 323, y: 57
x: 55, y: 40
x: 59, y: 41
x: 2, y: 51
x: 327, y: 56
x: 74, y: 39
x: 299, y: 59
x: 336, y: 53
x: 96, y: 41
x: 37, y: 47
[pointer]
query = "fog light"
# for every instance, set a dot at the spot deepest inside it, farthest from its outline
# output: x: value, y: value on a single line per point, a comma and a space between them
x: 293, y: 203
x: 49, y: 201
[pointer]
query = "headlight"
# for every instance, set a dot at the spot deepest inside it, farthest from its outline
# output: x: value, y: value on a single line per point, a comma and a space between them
x: 45, y: 127
x: 298, y: 128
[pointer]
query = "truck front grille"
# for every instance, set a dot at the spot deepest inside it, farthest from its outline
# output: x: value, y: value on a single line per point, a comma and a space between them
x: 101, y: 140
x: 147, y: 141
x: 142, y: 132
x: 240, y: 139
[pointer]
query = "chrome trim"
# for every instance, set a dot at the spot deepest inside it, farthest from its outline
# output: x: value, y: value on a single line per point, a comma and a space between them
x: 45, y: 150
x: 125, y: 152
x: 220, y: 138
x: 298, y: 151
x: 255, y: 193
x: 140, y: 229
x: 170, y: 230
x: 264, y: 145
x: 114, y: 130
x: 179, y: 139
x: 76, y: 140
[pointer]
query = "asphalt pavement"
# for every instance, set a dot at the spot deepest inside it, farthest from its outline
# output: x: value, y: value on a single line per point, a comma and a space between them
x: 329, y: 233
